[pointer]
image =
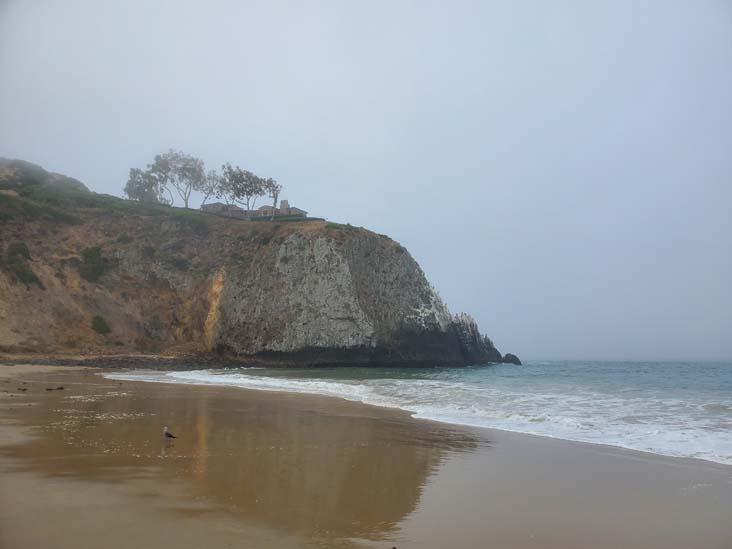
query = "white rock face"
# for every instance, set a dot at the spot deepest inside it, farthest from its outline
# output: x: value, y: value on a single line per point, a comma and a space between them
x: 314, y: 291
x: 434, y: 313
x: 317, y: 285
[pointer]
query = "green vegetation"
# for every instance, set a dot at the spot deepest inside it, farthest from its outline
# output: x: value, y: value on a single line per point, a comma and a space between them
x: 148, y: 252
x: 93, y: 265
x: 17, y: 250
x: 43, y: 197
x: 32, y: 194
x: 15, y: 263
x: 179, y: 263
x: 154, y: 327
x: 22, y: 172
x: 347, y: 227
x: 66, y: 199
x: 100, y: 326
x: 174, y: 175
x: 155, y: 323
x: 239, y: 258
x: 17, y: 173
x: 19, y: 208
x: 285, y: 219
x: 176, y: 246
x: 193, y: 220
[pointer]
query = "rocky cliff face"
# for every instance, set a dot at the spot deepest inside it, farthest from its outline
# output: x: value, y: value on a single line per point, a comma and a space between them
x: 172, y: 281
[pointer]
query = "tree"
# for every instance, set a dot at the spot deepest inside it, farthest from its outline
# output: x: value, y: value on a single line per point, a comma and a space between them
x: 178, y: 170
x: 273, y: 190
x: 211, y: 186
x: 183, y: 173
x: 241, y: 186
x: 144, y: 187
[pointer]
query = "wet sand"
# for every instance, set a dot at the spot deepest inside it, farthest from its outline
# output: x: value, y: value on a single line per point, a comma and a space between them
x: 87, y: 466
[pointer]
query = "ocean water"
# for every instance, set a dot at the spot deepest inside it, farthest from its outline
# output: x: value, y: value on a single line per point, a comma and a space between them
x: 671, y: 408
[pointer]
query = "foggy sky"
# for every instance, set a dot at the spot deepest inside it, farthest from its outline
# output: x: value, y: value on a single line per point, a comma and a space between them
x: 560, y: 170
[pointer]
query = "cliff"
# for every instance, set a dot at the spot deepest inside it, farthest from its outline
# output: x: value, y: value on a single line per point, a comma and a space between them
x: 84, y: 273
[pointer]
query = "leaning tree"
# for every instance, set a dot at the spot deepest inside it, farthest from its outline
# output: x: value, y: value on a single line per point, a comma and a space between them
x: 241, y: 186
x: 273, y: 189
x: 211, y: 186
x: 175, y: 171
x: 179, y: 171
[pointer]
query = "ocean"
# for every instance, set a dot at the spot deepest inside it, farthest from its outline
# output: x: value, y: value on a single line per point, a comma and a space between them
x: 672, y: 408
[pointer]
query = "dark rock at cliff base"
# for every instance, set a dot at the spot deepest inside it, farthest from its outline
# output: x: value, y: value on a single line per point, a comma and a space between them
x: 474, y: 347
x: 508, y: 358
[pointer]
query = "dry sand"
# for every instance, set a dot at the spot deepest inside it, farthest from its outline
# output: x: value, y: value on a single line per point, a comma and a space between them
x: 87, y: 466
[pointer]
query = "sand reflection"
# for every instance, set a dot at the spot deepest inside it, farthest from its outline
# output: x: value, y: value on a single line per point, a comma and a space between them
x: 308, y: 466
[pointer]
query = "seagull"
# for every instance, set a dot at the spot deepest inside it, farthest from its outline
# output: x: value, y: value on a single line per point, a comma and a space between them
x: 167, y: 434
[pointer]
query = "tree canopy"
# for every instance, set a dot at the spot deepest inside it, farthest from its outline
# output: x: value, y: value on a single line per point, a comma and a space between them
x: 174, y: 176
x: 145, y: 187
x: 241, y: 186
x: 273, y: 189
x: 180, y: 172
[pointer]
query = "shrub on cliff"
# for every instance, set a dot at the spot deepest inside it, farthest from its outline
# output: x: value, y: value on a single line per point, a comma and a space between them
x: 195, y: 221
x: 154, y: 328
x: 20, y: 208
x: 100, y: 326
x: 15, y: 263
x: 18, y: 250
x: 179, y: 263
x: 93, y: 265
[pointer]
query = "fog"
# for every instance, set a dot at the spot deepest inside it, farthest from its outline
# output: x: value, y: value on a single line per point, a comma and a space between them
x: 560, y: 170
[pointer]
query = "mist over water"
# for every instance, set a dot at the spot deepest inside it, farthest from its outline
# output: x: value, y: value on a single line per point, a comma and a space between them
x: 672, y: 408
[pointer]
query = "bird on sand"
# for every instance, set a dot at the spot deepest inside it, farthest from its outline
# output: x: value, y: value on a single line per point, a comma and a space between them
x: 167, y: 434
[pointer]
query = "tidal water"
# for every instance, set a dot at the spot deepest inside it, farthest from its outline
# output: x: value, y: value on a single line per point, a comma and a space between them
x: 671, y: 408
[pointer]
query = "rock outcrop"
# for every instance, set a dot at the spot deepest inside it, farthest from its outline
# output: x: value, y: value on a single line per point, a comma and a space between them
x: 173, y: 281
x: 476, y: 348
x: 511, y: 359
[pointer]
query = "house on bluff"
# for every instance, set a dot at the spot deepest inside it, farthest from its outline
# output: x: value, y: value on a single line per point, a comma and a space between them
x: 230, y: 210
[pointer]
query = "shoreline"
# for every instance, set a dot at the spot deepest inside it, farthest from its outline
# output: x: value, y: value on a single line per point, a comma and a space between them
x: 103, y: 371
x: 289, y: 469
x: 413, y: 415
x: 168, y: 363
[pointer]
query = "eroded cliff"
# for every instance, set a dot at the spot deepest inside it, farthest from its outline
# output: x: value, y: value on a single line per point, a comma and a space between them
x: 179, y: 282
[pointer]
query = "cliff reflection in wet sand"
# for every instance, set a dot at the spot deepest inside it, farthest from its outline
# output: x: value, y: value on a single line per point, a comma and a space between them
x: 340, y: 471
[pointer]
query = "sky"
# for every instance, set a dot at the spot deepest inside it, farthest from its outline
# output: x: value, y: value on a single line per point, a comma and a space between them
x: 561, y: 170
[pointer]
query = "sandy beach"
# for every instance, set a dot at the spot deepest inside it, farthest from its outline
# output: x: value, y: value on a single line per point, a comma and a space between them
x: 87, y: 466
